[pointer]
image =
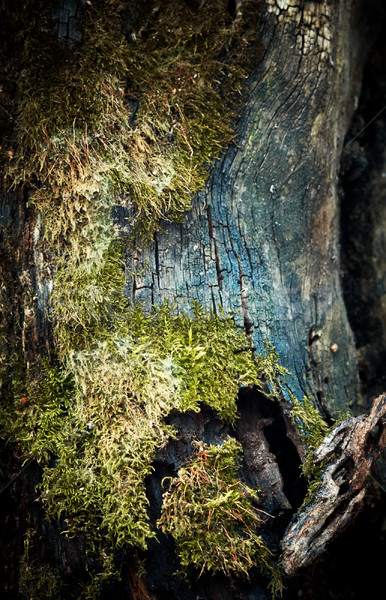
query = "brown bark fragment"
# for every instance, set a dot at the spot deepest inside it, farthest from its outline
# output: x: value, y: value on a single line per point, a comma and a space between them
x: 350, y: 449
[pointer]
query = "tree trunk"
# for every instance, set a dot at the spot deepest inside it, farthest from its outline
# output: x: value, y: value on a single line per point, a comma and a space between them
x: 262, y: 240
x: 268, y: 238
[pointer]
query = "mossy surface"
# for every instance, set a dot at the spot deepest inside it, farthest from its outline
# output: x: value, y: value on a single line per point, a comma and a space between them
x: 135, y: 123
x: 132, y: 114
x: 137, y: 117
x: 214, y: 517
x: 313, y: 429
x: 103, y: 418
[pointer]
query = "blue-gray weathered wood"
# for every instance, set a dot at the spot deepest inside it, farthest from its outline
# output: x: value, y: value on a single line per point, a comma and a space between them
x: 262, y: 239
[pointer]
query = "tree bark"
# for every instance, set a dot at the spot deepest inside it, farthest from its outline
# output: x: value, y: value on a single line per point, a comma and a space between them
x: 262, y: 241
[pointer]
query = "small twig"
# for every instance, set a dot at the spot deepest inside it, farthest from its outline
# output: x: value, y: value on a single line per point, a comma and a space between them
x: 17, y: 475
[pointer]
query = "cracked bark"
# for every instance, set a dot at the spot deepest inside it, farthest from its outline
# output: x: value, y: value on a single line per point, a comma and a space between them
x: 262, y: 240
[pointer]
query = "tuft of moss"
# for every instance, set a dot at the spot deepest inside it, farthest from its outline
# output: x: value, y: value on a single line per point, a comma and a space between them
x: 213, y: 516
x: 313, y: 429
x: 95, y: 421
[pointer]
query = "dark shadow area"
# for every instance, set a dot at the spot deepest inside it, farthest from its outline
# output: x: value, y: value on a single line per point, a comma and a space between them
x: 363, y: 224
x: 287, y: 458
x: 353, y: 566
x: 252, y: 403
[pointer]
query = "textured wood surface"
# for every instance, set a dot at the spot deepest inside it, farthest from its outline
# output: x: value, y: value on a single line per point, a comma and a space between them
x: 348, y: 454
x: 262, y: 240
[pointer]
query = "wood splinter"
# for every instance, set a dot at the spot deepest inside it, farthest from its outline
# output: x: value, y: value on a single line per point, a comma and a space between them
x: 349, y: 451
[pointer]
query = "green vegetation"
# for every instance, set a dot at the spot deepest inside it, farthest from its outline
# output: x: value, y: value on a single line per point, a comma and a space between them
x: 213, y: 516
x: 132, y: 115
x: 313, y: 430
x: 134, y: 118
x: 104, y: 418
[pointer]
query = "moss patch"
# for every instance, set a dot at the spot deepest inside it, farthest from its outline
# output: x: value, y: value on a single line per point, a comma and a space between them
x: 313, y: 429
x: 213, y: 516
x: 137, y: 110
x: 132, y: 114
x: 104, y: 417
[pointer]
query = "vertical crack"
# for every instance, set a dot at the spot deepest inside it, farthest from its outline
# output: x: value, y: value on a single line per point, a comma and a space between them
x: 156, y: 258
x: 248, y: 323
x: 220, y: 276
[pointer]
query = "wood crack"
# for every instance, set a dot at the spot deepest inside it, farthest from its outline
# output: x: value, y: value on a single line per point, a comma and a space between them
x: 247, y: 320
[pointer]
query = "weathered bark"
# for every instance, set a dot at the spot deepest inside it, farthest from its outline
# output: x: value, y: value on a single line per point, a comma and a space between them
x: 262, y: 240
x: 347, y: 454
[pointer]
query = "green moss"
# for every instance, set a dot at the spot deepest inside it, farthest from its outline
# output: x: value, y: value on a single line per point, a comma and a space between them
x: 96, y: 416
x: 313, y: 429
x: 37, y: 581
x: 213, y: 516
x: 75, y: 123
x: 104, y: 417
x: 41, y: 402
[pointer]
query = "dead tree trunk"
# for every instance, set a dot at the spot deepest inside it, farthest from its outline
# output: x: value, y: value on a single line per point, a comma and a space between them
x: 263, y: 240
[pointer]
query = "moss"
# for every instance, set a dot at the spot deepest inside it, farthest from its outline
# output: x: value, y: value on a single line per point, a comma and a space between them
x: 40, y: 400
x: 75, y: 122
x: 313, y: 429
x: 213, y: 516
x: 104, y: 417
x: 95, y: 417
x: 37, y: 581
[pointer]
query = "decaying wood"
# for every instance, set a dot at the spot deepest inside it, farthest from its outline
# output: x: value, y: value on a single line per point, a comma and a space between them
x: 350, y: 450
x: 262, y: 239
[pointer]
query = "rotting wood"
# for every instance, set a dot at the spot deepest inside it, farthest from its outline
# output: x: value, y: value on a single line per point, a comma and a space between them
x: 293, y: 313
x: 350, y: 450
x: 262, y: 239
